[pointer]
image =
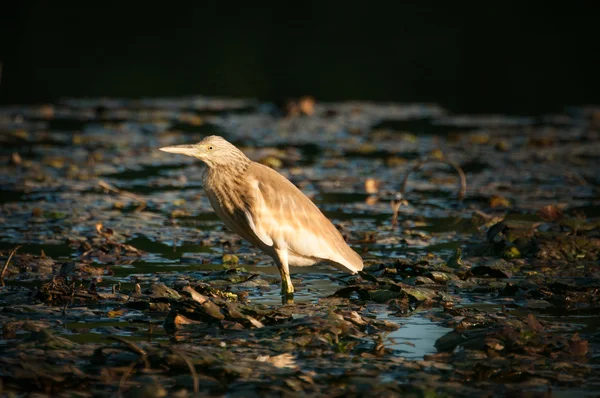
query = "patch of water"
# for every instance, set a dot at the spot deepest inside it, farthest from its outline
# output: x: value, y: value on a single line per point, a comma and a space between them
x: 309, y: 289
x: 417, y: 335
x: 100, y: 331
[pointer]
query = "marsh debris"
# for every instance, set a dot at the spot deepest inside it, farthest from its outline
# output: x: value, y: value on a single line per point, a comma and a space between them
x: 125, y: 282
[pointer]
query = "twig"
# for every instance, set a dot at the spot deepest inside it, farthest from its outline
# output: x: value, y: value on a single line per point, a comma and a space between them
x: 192, y: 369
x: 124, y: 378
x: 131, y: 345
x: 10, y: 256
x: 396, y: 209
x: 422, y: 163
x: 70, y: 300
x: 579, y: 179
x: 109, y: 188
x: 240, y: 334
x: 461, y: 175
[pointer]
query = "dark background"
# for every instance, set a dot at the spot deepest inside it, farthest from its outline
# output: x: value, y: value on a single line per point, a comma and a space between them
x: 513, y: 57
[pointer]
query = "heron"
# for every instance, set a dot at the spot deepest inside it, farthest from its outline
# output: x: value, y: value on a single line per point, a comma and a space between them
x: 267, y: 210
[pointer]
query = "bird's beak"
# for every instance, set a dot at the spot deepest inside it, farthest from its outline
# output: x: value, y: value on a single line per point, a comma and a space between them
x: 188, y: 150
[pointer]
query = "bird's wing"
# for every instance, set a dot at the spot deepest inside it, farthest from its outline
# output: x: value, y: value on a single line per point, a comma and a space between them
x: 282, y: 215
x: 238, y: 221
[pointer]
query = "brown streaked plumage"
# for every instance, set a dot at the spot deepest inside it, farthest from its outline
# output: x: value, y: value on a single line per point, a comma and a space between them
x: 267, y: 210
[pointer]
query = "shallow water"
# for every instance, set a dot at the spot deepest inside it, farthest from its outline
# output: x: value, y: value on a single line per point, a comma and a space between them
x: 51, y: 200
x: 416, y: 336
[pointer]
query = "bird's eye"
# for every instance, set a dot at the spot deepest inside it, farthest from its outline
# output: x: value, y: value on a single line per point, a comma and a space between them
x: 210, y: 148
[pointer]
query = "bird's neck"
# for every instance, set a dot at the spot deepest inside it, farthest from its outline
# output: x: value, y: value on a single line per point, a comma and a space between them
x: 227, y: 183
x: 229, y: 175
x: 230, y: 170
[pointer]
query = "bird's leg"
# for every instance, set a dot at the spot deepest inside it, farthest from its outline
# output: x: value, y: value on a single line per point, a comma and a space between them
x: 287, y: 289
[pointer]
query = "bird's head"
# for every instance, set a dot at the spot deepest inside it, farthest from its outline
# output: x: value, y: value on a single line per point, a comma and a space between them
x: 215, y: 151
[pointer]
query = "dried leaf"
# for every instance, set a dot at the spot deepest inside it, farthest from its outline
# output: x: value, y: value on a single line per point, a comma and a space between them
x: 551, y: 213
x: 285, y: 360
x: 534, y: 323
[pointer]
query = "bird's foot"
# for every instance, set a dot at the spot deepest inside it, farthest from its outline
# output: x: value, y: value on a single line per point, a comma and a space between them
x: 287, y: 291
x: 287, y: 298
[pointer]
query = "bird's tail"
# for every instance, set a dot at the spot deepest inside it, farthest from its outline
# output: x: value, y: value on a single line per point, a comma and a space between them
x: 351, y: 262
